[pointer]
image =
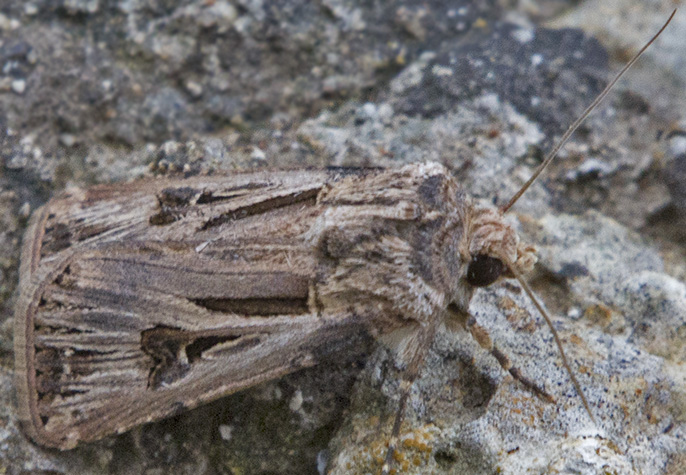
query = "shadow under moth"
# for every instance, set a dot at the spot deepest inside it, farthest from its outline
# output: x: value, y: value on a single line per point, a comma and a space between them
x: 141, y: 300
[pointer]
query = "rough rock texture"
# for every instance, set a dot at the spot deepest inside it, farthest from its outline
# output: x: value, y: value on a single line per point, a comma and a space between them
x: 94, y: 91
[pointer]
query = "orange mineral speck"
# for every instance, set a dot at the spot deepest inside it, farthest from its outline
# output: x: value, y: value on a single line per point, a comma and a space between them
x: 480, y: 23
x: 584, y: 369
x: 599, y: 314
x: 493, y: 133
x: 576, y: 339
x: 415, y: 444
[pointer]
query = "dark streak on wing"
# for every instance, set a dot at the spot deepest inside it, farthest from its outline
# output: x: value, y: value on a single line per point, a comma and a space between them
x: 306, y: 197
x: 174, y: 351
x: 262, y: 307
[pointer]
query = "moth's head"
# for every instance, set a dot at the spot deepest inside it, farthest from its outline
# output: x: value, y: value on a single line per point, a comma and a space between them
x: 494, y: 247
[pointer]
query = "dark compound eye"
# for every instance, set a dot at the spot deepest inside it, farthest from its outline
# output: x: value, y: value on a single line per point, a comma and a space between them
x: 484, y: 270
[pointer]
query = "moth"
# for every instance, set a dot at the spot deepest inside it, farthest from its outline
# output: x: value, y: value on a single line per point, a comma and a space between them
x: 141, y: 300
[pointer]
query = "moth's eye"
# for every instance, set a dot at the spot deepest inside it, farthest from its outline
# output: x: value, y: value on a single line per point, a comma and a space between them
x: 483, y: 270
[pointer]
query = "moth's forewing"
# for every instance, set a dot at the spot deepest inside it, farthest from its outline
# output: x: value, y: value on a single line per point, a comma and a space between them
x: 140, y: 300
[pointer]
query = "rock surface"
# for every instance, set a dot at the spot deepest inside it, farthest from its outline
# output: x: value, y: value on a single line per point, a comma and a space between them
x: 96, y: 91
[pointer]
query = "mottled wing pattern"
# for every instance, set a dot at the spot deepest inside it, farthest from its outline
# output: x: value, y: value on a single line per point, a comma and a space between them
x: 143, y: 299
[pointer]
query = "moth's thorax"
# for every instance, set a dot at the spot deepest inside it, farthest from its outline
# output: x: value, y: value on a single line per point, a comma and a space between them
x: 396, y: 239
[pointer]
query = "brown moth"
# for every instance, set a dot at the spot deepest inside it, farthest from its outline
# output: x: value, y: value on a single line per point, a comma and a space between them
x: 140, y: 300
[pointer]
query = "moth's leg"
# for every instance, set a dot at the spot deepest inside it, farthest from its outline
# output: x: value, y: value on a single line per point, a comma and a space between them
x: 414, y: 355
x: 480, y: 334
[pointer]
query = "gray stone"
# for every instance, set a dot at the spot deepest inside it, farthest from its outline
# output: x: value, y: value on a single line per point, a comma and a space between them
x: 115, y: 92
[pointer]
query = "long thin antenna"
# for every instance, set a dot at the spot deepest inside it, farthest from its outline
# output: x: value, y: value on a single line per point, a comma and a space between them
x: 553, y: 153
x: 533, y: 298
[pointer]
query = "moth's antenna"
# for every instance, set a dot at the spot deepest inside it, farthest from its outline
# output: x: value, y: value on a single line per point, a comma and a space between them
x: 553, y: 153
x: 531, y: 295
